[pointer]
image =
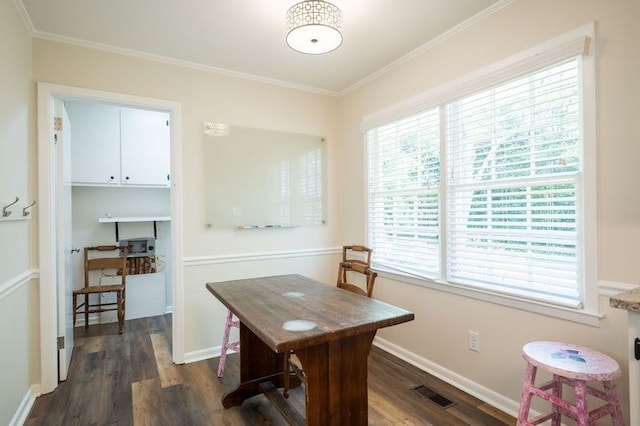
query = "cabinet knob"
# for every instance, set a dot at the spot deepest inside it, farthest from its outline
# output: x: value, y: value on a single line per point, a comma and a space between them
x: 111, y: 177
x: 126, y: 177
x: 168, y: 177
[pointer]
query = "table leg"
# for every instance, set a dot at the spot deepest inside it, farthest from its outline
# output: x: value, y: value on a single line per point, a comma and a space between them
x: 258, y: 364
x: 336, y: 380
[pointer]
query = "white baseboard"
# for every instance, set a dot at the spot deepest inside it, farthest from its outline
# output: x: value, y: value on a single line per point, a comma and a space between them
x: 496, y: 400
x: 212, y: 352
x: 20, y: 417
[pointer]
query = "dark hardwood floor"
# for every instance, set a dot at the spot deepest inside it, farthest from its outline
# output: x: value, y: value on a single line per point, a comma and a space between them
x: 129, y: 379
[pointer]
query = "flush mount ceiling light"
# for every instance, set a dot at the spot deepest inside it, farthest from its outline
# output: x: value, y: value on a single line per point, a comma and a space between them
x: 215, y: 129
x: 314, y: 27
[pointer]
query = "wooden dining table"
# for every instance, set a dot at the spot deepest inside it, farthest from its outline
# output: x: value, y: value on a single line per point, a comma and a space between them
x: 331, y: 331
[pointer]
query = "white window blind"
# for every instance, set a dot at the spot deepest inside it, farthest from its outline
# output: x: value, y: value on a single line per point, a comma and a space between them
x: 404, y: 192
x: 509, y: 189
x: 513, y: 182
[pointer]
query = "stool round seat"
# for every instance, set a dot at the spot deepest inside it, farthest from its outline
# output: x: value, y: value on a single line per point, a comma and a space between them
x: 573, y: 366
x: 571, y: 361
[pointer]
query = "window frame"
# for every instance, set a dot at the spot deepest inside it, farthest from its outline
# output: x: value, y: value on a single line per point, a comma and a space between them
x: 579, y: 42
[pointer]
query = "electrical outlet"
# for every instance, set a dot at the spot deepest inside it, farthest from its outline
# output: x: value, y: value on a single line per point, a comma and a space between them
x: 474, y: 341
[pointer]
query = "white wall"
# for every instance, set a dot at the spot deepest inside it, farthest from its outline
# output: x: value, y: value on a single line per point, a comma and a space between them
x: 19, y: 312
x: 438, y: 336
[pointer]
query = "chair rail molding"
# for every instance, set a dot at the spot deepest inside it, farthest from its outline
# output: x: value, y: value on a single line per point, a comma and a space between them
x: 16, y: 282
x: 249, y: 257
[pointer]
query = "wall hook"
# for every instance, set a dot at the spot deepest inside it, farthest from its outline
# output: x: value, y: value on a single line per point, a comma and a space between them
x: 25, y: 212
x: 5, y: 212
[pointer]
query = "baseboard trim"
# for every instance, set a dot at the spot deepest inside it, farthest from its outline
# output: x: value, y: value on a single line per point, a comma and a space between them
x: 496, y: 400
x: 20, y: 417
x: 201, y: 355
x: 16, y: 282
x: 251, y: 257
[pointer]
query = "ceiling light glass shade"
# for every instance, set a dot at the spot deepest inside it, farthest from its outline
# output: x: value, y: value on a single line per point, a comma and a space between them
x: 314, y: 27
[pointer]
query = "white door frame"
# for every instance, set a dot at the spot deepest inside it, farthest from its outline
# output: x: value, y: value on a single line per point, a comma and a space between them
x: 46, y: 239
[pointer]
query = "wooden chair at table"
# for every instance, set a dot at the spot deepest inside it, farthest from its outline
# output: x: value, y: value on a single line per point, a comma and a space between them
x: 356, y: 262
x: 92, y: 284
x: 363, y: 285
x: 355, y: 254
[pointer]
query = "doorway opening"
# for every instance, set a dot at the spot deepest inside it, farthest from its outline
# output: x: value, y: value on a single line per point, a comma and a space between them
x: 140, y: 200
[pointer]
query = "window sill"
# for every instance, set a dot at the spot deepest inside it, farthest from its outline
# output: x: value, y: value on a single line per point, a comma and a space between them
x: 581, y: 316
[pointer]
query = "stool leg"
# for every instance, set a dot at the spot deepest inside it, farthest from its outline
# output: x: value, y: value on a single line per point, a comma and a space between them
x: 557, y: 392
x: 525, y: 401
x: 581, y: 403
x: 612, y: 398
x: 225, y: 343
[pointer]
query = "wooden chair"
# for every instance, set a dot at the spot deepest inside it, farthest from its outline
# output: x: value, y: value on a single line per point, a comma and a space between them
x: 368, y: 276
x: 357, y: 254
x: 355, y: 259
x: 92, y: 284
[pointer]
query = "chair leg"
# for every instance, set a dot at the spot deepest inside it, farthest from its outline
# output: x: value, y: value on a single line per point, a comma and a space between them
x: 124, y: 307
x: 75, y: 304
x: 120, y: 312
x: 86, y: 311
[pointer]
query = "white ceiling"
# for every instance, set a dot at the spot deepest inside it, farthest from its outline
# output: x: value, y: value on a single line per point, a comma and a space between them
x: 247, y: 37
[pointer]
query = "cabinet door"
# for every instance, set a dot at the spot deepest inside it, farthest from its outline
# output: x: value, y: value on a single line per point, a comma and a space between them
x: 95, y: 143
x: 145, y: 147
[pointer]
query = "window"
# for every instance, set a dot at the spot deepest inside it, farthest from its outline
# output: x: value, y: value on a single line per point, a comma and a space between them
x: 485, y: 190
x: 513, y: 173
x: 404, y: 193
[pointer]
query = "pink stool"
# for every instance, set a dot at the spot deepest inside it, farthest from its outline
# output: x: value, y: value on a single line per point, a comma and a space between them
x: 574, y: 366
x: 234, y: 346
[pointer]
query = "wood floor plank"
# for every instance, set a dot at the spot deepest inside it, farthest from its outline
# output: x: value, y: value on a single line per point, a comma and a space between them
x: 129, y: 379
x: 115, y: 392
x: 498, y: 414
x: 81, y: 394
x: 149, y: 404
x: 169, y: 372
x: 388, y: 413
x: 142, y: 356
x: 204, y: 387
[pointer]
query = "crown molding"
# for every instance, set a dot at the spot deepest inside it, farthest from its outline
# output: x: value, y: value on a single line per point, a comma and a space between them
x: 429, y: 45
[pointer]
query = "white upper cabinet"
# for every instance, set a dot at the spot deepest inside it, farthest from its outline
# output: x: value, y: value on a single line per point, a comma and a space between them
x: 113, y: 146
x: 95, y: 143
x: 145, y: 147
